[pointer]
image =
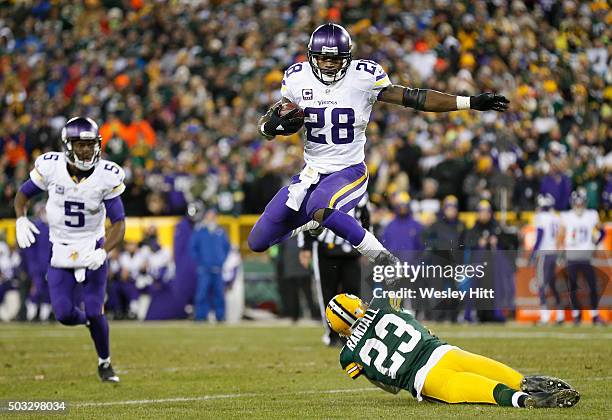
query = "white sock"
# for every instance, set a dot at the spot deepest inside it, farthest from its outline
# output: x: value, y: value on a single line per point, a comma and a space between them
x: 560, y: 315
x: 594, y: 313
x: 313, y: 224
x: 370, y: 246
x: 45, y: 311
x: 515, y: 398
x: 31, y: 309
x: 544, y: 316
x: 100, y: 361
x: 575, y: 313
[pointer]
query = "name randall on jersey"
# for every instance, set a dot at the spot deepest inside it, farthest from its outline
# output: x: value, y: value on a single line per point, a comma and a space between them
x: 433, y: 293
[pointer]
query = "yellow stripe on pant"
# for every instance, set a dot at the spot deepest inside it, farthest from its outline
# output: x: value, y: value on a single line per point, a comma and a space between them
x: 346, y: 188
x: 464, y: 377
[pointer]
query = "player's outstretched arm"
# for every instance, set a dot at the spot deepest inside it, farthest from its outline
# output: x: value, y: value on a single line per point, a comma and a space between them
x: 434, y: 101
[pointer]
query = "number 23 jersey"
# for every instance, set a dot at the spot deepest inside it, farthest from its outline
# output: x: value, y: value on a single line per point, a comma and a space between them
x: 391, y: 347
x: 336, y: 115
x: 75, y: 210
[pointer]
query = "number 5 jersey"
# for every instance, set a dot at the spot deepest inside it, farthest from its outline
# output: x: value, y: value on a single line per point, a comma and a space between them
x: 391, y: 347
x: 75, y: 210
x: 336, y: 115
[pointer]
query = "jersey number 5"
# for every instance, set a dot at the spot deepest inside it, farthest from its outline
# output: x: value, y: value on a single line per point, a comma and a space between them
x: 342, y: 119
x: 74, y: 209
x: 397, y: 360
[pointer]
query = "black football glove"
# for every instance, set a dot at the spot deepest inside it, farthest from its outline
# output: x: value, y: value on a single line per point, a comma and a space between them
x: 281, y: 126
x: 488, y: 102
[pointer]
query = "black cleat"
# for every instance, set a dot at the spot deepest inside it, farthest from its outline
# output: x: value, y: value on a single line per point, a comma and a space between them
x: 386, y: 258
x: 561, y: 399
x: 539, y: 383
x: 106, y: 373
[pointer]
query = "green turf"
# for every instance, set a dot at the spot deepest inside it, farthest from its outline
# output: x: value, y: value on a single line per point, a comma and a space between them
x: 269, y: 372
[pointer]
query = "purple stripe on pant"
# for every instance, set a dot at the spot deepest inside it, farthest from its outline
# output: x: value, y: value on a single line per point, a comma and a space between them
x: 278, y: 220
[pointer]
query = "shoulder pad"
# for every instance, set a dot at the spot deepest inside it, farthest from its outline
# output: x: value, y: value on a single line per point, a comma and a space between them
x: 112, y: 176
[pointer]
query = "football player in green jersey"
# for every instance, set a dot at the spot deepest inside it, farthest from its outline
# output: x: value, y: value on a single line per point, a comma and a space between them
x: 394, y: 351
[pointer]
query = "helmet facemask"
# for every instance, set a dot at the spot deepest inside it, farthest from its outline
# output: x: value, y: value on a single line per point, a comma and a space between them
x: 329, y: 75
x: 82, y: 130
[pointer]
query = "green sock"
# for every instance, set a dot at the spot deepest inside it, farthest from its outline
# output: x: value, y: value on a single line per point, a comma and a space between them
x: 504, y: 396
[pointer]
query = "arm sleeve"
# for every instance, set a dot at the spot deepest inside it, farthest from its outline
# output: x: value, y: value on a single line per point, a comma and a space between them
x: 286, y: 91
x: 380, y: 81
x: 29, y: 189
x: 114, y: 209
x: 42, y: 168
x: 115, y: 179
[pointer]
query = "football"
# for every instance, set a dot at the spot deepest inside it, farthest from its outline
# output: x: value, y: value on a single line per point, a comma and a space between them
x: 288, y: 107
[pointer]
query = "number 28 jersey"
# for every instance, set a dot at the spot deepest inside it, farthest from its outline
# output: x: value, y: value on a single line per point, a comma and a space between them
x: 75, y: 210
x: 336, y: 115
x: 391, y: 347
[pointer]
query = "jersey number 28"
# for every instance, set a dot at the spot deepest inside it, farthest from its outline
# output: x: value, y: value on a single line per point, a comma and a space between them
x: 342, y: 119
x: 397, y: 360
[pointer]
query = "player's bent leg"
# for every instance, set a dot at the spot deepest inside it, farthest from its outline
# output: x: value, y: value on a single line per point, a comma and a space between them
x: 454, y: 387
x: 276, y: 223
x: 464, y: 361
x: 61, y: 290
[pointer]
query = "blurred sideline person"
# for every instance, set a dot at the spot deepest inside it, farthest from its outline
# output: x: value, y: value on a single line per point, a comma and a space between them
x: 580, y: 233
x: 336, y: 264
x: 83, y: 190
x: 36, y: 263
x: 403, y: 236
x: 209, y: 247
x: 484, y: 240
x: 445, y: 241
x: 293, y: 280
x: 545, y: 253
x: 394, y: 351
x: 186, y: 280
x: 10, y: 301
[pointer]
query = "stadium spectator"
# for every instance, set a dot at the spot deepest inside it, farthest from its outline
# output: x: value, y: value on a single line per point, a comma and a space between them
x: 172, y: 96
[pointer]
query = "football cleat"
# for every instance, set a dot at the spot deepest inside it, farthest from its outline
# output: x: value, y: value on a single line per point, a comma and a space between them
x: 343, y: 311
x: 561, y: 399
x: 106, y: 373
x: 386, y: 258
x: 539, y: 383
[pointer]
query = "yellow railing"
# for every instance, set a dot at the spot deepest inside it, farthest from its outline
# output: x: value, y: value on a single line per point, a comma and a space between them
x: 238, y: 228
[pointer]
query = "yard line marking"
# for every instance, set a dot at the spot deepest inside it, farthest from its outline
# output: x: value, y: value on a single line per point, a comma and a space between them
x: 526, y: 334
x: 217, y: 397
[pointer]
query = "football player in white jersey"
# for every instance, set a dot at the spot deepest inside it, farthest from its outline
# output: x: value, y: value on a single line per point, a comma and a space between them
x: 83, y: 190
x: 547, y: 224
x: 580, y: 233
x: 337, y: 94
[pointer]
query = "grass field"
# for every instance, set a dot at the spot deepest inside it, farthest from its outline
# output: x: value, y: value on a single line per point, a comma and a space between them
x: 182, y: 370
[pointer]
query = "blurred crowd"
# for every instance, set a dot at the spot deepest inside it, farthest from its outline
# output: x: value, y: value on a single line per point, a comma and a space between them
x: 177, y: 88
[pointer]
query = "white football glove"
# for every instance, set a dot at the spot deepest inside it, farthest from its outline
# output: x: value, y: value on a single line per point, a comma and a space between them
x: 25, y: 232
x: 95, y: 260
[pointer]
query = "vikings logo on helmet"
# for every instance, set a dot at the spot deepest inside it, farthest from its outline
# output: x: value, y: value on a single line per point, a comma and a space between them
x: 545, y: 201
x: 343, y: 311
x: 330, y: 41
x: 81, y: 128
x: 579, y: 197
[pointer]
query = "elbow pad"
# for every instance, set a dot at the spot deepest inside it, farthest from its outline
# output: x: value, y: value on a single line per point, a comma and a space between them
x: 414, y: 98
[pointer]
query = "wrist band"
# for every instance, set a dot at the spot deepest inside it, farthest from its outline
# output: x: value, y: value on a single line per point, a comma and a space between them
x: 463, y: 102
